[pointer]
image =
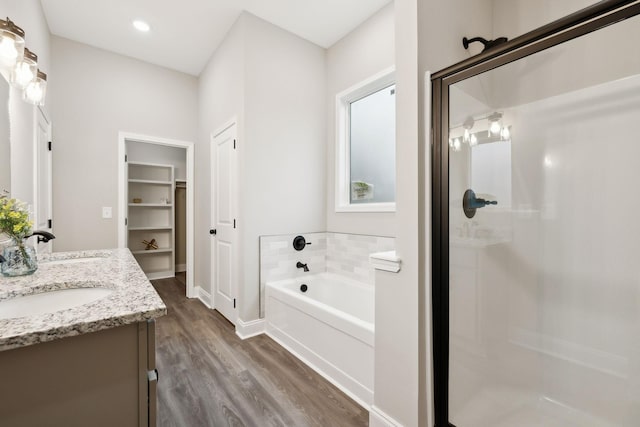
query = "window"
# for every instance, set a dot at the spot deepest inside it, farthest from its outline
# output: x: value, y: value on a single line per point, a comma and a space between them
x: 366, y: 148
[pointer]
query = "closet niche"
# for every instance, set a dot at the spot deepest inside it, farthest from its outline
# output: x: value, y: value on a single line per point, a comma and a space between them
x: 155, y: 177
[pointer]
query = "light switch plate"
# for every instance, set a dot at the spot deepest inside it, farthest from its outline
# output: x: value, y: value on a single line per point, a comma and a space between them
x: 107, y: 212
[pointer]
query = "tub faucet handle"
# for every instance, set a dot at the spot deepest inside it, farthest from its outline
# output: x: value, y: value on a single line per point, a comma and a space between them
x: 303, y: 266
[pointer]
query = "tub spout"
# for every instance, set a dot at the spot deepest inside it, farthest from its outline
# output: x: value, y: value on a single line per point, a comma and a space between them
x: 303, y: 266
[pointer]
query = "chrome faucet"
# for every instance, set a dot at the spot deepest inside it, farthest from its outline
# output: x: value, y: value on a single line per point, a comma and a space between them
x: 303, y: 266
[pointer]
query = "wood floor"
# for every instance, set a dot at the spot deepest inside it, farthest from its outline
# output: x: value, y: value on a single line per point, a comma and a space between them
x: 210, y: 377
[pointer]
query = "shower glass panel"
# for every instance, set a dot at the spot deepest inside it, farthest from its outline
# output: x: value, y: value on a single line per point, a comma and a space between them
x: 544, y: 285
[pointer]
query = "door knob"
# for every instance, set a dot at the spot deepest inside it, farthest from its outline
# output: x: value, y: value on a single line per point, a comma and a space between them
x: 213, y: 231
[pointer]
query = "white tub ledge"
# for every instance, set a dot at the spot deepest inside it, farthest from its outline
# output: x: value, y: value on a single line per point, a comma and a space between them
x: 385, y: 261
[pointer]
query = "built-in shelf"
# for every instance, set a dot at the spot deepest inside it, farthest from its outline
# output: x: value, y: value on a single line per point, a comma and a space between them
x: 150, y: 228
x: 152, y: 205
x: 149, y: 181
x: 153, y: 219
x: 152, y: 251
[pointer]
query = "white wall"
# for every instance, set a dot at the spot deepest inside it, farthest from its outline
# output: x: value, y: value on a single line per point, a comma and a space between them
x: 428, y: 37
x: 28, y: 15
x: 284, y: 150
x: 220, y: 97
x: 512, y: 18
x: 543, y: 79
x: 273, y: 81
x: 160, y: 154
x: 100, y: 94
x: 364, y: 52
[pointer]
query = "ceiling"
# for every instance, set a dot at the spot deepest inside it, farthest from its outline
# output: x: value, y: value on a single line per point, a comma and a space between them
x: 185, y: 34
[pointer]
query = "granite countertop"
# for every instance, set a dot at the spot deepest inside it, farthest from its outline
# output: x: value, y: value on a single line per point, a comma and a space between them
x: 133, y: 298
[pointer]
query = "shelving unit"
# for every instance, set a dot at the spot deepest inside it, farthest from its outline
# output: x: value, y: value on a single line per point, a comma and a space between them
x: 152, y: 218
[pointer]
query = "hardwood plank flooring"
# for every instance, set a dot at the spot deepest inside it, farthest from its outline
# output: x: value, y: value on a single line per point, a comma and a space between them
x: 211, y: 378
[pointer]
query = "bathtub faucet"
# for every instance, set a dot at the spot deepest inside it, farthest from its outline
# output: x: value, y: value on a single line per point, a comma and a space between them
x: 303, y: 266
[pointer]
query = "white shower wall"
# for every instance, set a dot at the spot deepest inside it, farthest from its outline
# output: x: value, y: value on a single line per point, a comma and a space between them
x: 549, y: 315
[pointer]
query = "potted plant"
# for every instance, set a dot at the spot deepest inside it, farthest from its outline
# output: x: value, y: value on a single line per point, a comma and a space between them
x: 17, y: 258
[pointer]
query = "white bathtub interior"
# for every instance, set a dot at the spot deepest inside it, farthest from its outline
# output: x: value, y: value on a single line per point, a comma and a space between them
x: 339, y: 253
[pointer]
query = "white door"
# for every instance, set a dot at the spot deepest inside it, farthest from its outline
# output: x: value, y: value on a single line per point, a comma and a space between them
x: 224, y: 232
x: 43, y: 180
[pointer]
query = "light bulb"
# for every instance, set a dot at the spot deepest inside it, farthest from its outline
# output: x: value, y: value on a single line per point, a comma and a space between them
x: 25, y: 70
x: 505, y: 133
x: 11, y: 43
x: 466, y: 135
x: 8, y: 49
x: 23, y: 73
x: 450, y: 142
x: 141, y: 26
x: 473, y: 141
x: 34, y: 93
x: 495, y: 127
x: 457, y: 144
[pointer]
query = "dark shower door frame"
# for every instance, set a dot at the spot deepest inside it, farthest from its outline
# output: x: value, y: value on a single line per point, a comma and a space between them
x: 585, y: 21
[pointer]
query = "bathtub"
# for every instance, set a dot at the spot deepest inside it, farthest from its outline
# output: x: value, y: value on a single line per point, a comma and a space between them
x: 330, y: 327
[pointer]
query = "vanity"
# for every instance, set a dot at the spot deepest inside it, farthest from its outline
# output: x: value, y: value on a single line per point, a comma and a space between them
x: 77, y: 342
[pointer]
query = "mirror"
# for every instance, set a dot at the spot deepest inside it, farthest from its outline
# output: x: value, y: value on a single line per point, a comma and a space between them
x: 5, y: 145
x: 491, y: 168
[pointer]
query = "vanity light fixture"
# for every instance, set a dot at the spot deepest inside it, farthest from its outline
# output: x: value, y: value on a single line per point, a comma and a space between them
x: 493, y: 132
x: 11, y: 43
x: 19, y: 65
x: 141, y: 26
x: 25, y: 70
x: 35, y: 92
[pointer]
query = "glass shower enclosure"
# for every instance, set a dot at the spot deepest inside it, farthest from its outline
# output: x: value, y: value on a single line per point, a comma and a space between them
x: 536, y: 233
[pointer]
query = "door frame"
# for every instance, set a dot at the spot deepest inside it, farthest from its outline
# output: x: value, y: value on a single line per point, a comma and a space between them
x: 578, y: 24
x: 123, y: 137
x: 40, y: 113
x: 234, y: 202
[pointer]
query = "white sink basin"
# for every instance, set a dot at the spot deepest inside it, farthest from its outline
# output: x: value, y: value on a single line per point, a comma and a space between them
x: 50, y: 302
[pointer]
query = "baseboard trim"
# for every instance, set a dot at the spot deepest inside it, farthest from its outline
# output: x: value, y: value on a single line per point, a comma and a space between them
x: 378, y: 418
x: 180, y: 268
x: 203, y: 296
x: 249, y: 329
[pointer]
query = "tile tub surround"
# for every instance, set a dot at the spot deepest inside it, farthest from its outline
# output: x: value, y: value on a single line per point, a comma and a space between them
x: 348, y: 254
x: 133, y: 298
x: 338, y: 253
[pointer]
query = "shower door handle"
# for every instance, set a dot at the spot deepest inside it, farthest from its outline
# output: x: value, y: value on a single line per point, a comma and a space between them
x: 470, y: 203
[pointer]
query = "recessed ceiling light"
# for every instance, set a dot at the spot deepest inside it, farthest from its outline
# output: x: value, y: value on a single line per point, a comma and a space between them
x: 141, y: 25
